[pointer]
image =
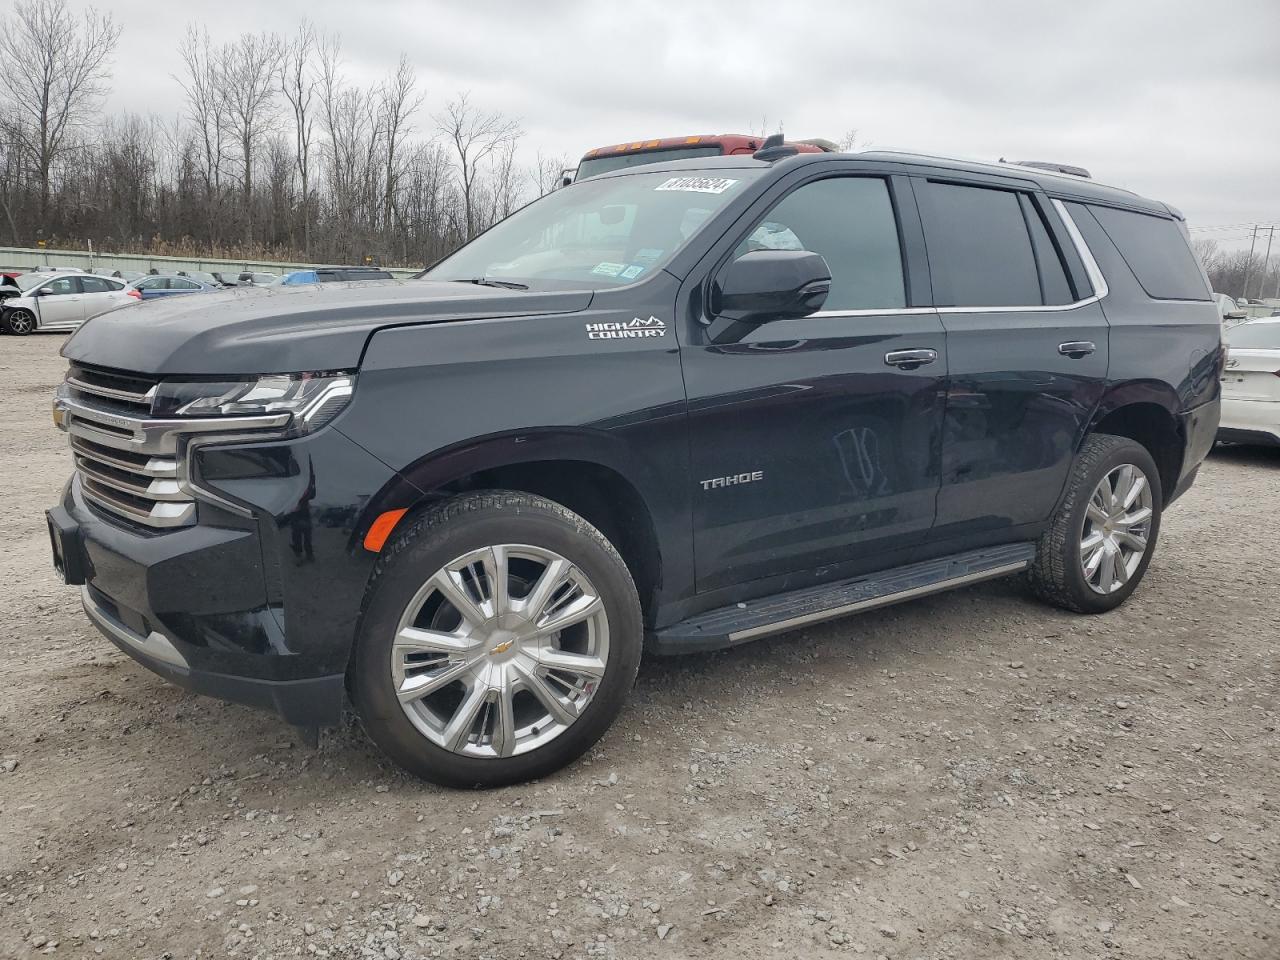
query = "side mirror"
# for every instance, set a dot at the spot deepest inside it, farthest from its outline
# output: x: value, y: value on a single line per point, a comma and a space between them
x: 766, y: 285
x: 40, y: 292
x: 1235, y: 315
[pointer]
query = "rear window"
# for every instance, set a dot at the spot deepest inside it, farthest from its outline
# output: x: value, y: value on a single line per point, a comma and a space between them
x: 1265, y: 336
x: 1156, y: 252
x: 979, y: 248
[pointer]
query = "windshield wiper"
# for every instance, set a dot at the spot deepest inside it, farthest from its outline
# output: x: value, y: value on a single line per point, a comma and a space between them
x: 490, y: 282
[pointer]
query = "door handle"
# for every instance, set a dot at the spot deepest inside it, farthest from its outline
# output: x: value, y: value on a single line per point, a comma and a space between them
x: 1075, y: 349
x: 910, y: 359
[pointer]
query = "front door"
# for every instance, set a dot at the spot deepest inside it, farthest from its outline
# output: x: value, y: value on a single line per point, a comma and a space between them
x: 1027, y: 347
x: 61, y: 303
x: 816, y: 441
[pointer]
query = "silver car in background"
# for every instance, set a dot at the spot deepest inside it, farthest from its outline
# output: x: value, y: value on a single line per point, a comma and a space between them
x: 61, y: 301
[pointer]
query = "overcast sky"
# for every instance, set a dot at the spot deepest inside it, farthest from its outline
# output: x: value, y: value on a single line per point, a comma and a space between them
x: 1177, y: 99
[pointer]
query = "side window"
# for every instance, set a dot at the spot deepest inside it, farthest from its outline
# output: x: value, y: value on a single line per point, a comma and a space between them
x: 1053, y: 275
x: 152, y: 283
x: 94, y: 285
x: 850, y: 222
x: 183, y: 284
x: 1156, y: 252
x: 980, y: 251
x: 62, y: 285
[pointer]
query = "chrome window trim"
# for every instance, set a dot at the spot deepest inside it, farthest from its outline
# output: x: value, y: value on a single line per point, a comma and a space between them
x: 1094, y: 273
x: 1091, y: 268
x: 888, y: 311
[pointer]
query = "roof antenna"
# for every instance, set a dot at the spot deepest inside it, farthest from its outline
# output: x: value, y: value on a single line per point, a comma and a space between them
x: 774, y: 149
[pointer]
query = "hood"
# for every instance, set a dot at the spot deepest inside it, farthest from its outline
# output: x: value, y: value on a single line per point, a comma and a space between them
x: 288, y: 329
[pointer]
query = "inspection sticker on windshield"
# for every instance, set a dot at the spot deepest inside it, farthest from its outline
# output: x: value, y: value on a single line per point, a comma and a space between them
x: 697, y: 184
x: 609, y: 269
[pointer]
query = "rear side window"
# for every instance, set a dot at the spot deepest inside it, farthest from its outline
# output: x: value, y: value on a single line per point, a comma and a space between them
x: 980, y: 250
x: 1053, y: 275
x: 97, y: 285
x: 1156, y: 252
x: 850, y: 222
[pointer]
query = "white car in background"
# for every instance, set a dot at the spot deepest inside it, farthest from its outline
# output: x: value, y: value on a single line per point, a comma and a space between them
x: 1251, y: 384
x: 1230, y: 311
x: 61, y: 301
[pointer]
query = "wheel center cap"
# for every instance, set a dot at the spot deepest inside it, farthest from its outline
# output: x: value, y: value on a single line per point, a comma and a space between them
x: 501, y: 641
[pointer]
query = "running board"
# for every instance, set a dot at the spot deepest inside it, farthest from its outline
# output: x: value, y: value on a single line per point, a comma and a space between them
x: 728, y: 626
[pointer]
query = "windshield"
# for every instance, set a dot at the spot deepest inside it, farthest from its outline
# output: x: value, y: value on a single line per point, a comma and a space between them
x: 606, y: 232
x: 29, y: 281
x: 598, y: 165
x: 1265, y: 336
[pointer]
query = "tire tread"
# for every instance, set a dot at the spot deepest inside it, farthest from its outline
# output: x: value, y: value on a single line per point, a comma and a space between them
x: 1049, y: 572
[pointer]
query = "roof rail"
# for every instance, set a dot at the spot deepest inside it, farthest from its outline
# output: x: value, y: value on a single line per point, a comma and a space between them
x: 1068, y: 169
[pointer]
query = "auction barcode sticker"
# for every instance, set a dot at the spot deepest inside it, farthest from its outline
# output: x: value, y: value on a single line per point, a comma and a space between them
x: 697, y: 184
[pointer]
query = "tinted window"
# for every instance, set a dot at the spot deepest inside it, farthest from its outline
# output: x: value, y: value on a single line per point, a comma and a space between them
x: 1256, y: 335
x: 849, y: 220
x: 95, y: 285
x: 154, y: 283
x: 979, y: 248
x: 60, y: 286
x: 1053, y: 275
x: 183, y: 284
x: 1156, y: 252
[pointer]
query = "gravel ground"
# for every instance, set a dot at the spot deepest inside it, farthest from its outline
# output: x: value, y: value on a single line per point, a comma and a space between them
x: 971, y: 775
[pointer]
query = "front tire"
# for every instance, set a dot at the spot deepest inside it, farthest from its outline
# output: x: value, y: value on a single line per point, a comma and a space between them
x: 501, y: 637
x: 1100, y: 542
x: 19, y: 322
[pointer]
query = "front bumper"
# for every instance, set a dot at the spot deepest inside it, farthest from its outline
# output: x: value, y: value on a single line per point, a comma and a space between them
x: 314, y: 702
x: 258, y: 604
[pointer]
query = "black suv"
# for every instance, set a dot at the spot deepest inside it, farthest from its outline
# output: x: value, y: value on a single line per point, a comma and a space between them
x: 678, y: 407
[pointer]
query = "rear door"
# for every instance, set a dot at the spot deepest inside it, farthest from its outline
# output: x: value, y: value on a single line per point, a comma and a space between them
x: 1027, y: 344
x: 814, y: 448
x: 101, y: 295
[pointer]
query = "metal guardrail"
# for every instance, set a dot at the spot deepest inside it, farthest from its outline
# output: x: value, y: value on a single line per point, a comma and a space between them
x: 25, y: 258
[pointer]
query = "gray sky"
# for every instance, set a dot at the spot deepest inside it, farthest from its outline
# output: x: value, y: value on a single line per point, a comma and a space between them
x: 1178, y: 100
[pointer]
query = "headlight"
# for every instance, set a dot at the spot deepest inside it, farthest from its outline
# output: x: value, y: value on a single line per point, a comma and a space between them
x: 313, y: 399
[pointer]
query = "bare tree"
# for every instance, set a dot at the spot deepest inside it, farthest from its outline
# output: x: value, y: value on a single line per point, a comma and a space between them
x: 55, y: 72
x: 474, y: 135
x: 850, y: 142
x: 547, y: 173
x: 202, y: 83
x: 347, y: 119
x: 397, y: 102
x: 248, y: 73
x: 298, y: 84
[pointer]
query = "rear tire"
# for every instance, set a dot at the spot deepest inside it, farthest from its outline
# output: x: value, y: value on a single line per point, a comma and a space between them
x: 501, y: 636
x: 19, y: 322
x: 1101, y: 540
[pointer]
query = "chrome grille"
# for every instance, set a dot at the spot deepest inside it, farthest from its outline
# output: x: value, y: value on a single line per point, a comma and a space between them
x: 125, y: 468
x: 130, y: 462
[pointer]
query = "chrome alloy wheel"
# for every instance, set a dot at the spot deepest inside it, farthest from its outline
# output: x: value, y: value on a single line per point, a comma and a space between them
x: 1117, y: 523
x: 500, y: 651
